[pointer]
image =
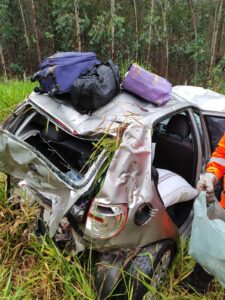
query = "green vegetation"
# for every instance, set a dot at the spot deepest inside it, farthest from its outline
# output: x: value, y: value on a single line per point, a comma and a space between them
x: 11, y: 93
x: 34, y: 269
x: 31, y: 268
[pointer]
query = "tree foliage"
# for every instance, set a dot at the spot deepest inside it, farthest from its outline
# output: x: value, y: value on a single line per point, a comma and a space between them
x: 182, y: 40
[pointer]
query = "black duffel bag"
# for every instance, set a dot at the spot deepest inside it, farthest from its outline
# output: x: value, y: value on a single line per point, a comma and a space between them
x: 96, y: 87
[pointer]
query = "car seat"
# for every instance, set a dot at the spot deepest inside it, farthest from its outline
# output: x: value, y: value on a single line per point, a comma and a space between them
x: 174, y: 148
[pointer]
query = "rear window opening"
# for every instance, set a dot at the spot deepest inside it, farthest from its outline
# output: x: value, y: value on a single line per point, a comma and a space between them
x: 70, y: 154
x: 64, y: 155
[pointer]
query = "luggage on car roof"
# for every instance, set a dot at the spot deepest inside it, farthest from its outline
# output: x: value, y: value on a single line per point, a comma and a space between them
x: 96, y: 87
x: 148, y: 86
x: 58, y: 72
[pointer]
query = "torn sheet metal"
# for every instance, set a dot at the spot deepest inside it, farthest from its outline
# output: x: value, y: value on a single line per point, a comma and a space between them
x: 24, y: 162
x: 130, y: 170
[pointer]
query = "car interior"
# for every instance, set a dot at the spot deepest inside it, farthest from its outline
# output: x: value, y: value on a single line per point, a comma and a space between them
x: 63, y: 150
x: 174, y: 151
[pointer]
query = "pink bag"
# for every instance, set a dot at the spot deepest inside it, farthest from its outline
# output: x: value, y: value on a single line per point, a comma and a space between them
x: 148, y: 86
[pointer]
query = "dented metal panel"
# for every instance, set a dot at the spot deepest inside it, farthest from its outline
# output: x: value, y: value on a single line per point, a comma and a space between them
x: 124, y: 108
x: 129, y: 174
x: 22, y: 161
x: 158, y: 227
x: 130, y: 169
x: 128, y: 179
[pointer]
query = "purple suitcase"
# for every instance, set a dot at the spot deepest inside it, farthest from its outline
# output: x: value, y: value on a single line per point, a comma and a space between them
x: 58, y: 72
x: 148, y: 86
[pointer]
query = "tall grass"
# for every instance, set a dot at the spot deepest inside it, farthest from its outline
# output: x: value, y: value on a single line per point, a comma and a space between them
x: 11, y: 93
x: 30, y: 269
x: 34, y: 269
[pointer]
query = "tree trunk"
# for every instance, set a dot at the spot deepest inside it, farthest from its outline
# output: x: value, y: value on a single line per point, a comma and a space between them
x: 36, y: 30
x: 220, y: 42
x: 3, y: 62
x: 194, y: 21
x: 48, y: 10
x: 112, y: 27
x: 165, y: 32
x: 150, y: 31
x: 26, y: 35
x: 217, y: 21
x: 136, y: 28
x: 77, y: 19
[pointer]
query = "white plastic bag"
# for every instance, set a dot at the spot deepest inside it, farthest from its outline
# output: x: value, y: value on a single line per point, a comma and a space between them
x: 207, y: 242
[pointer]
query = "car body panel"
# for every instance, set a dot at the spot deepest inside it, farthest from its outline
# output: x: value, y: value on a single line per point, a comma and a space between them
x: 158, y: 227
x: 128, y: 179
x: 124, y: 108
x: 24, y: 162
x: 205, y: 99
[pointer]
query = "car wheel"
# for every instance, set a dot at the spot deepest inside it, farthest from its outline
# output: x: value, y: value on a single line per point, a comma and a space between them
x: 149, y: 269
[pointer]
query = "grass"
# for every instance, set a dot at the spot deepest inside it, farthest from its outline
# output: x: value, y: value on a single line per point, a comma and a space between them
x: 30, y: 269
x: 11, y: 93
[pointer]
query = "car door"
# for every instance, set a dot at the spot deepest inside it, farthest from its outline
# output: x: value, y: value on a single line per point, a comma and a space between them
x: 209, y: 115
x: 215, y: 126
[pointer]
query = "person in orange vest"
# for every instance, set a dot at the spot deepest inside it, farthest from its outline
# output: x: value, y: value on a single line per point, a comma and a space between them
x: 214, y: 172
x: 199, y: 279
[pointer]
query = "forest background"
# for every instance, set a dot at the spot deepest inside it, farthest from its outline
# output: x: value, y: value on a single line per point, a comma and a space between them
x: 182, y: 40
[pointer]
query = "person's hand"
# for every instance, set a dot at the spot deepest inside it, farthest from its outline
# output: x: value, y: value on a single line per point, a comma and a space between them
x: 207, y: 183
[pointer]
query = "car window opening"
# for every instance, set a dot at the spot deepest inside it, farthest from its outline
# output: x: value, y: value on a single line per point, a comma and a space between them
x: 174, y: 151
x: 216, y: 128
x: 174, y: 147
x: 69, y: 154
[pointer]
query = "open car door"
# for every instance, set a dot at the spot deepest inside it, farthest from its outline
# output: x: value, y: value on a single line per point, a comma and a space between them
x: 212, y: 106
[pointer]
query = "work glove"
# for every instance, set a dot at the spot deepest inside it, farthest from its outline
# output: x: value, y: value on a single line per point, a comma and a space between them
x: 207, y: 183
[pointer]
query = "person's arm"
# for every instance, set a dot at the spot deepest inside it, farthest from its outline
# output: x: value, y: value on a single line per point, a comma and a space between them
x: 215, y: 169
x: 216, y: 164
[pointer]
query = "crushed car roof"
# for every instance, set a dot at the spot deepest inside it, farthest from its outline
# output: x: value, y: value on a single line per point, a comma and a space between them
x: 124, y: 108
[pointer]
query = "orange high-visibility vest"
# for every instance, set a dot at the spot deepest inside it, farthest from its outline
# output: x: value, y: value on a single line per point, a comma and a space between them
x: 216, y: 165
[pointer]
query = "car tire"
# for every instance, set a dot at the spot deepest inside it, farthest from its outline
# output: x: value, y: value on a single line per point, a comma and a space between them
x: 149, y: 266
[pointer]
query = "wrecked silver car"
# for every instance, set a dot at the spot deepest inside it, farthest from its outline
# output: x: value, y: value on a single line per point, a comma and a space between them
x: 105, y: 174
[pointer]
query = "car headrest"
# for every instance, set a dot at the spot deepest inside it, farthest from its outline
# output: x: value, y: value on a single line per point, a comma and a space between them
x: 178, y: 125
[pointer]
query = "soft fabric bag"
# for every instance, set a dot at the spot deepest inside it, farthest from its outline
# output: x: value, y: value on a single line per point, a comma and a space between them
x: 207, y: 242
x: 173, y: 188
x: 58, y: 72
x: 148, y: 86
x: 96, y: 87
